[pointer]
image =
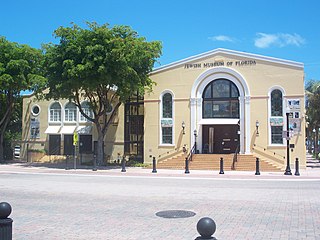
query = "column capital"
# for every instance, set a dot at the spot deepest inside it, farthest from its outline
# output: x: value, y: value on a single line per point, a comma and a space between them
x: 247, y: 99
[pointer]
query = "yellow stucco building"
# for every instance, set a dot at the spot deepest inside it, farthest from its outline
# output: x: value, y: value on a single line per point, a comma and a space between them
x: 218, y: 102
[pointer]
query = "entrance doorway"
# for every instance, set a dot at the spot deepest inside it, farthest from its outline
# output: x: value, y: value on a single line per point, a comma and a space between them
x: 54, y: 144
x: 220, y: 139
x: 68, y: 148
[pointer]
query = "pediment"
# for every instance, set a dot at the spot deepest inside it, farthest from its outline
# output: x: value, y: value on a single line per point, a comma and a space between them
x: 248, y: 58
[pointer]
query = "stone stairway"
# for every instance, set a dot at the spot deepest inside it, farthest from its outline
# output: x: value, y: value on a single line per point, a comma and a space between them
x: 212, y: 162
x: 312, y: 162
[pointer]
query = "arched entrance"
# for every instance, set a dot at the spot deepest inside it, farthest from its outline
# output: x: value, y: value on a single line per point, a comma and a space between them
x: 236, y: 118
x: 220, y: 100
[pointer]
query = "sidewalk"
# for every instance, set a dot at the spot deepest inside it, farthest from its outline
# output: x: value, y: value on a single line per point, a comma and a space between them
x: 312, y: 172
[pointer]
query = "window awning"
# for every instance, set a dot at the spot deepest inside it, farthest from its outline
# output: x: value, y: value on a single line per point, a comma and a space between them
x: 223, y: 121
x: 84, y: 130
x: 68, y: 129
x: 52, y: 129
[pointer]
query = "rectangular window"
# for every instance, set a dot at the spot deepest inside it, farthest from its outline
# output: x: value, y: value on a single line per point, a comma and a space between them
x: 276, y: 135
x: 166, y: 135
x: 34, y: 128
x: 55, y: 115
x: 70, y: 115
x: 88, y: 112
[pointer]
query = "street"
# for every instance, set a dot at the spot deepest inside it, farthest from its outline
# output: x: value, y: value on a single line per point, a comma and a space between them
x: 103, y: 206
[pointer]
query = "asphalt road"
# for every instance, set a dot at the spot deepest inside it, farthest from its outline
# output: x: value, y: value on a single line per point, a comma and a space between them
x: 71, y: 206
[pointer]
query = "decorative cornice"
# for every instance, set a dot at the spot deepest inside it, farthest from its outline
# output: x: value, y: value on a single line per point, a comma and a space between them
x: 294, y: 96
x: 260, y: 97
x: 151, y: 100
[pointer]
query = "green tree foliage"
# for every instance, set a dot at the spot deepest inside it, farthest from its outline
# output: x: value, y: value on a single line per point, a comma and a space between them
x: 13, y: 130
x: 20, y: 69
x: 313, y: 111
x: 102, y: 65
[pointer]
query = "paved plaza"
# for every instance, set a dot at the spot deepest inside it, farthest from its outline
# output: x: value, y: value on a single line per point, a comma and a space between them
x: 53, y: 203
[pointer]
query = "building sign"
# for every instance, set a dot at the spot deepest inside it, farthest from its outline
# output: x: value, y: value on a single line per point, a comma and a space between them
x: 220, y: 63
x: 293, y: 104
x: 294, y: 116
x: 295, y: 125
x: 276, y: 121
x: 166, y: 122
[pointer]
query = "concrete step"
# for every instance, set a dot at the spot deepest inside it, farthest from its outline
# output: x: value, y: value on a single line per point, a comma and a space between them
x: 212, y: 162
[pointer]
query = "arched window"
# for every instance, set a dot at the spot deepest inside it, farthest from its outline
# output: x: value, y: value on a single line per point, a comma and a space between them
x: 55, y: 112
x: 276, y: 102
x: 167, y: 105
x: 221, y: 100
x: 70, y: 112
x: 167, y: 118
x: 86, y: 109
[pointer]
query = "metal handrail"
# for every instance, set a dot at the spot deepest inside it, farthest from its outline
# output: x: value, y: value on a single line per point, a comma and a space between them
x: 235, y: 158
x: 192, y: 151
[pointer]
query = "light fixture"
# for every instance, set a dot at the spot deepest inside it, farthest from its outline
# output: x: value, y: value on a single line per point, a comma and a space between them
x: 183, y: 125
x: 257, y: 127
x: 195, y: 140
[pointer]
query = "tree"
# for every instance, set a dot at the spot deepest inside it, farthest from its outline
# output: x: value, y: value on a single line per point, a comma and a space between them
x: 13, y: 130
x: 102, y: 65
x: 313, y: 111
x: 20, y: 69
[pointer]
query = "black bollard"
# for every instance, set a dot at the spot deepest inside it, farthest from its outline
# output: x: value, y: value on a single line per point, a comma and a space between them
x: 297, y: 168
x: 123, y: 165
x: 257, y: 167
x: 5, y: 222
x: 67, y: 157
x: 187, y: 166
x: 94, y: 163
x: 154, y: 168
x: 221, y: 166
x: 206, y: 227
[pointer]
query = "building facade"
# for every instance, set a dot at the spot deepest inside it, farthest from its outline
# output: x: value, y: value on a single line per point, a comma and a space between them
x: 218, y: 102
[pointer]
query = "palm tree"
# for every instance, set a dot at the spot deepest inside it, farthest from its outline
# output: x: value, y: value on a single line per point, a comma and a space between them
x: 313, y: 114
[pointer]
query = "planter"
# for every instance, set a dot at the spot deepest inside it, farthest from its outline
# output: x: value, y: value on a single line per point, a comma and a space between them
x: 35, y: 156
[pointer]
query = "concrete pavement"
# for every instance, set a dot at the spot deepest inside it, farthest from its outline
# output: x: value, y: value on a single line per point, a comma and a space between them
x: 54, y: 203
x: 311, y: 172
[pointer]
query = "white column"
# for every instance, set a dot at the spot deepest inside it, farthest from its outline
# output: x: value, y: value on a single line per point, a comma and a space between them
x: 193, y: 112
x: 247, y: 124
x: 197, y: 127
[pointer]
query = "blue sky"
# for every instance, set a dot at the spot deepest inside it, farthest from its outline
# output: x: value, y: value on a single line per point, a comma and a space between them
x: 282, y: 29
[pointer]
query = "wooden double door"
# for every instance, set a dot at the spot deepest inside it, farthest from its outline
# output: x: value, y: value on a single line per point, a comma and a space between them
x: 221, y: 139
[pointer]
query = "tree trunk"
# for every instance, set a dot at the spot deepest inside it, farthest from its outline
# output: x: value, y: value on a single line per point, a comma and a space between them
x: 100, y: 150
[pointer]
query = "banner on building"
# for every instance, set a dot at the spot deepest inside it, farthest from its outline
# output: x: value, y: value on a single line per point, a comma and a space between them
x: 295, y: 125
x: 276, y: 121
x: 166, y: 122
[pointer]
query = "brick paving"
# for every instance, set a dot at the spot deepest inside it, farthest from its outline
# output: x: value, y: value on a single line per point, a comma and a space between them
x: 53, y: 203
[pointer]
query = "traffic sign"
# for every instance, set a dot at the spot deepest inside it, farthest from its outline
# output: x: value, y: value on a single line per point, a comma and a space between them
x: 75, y: 138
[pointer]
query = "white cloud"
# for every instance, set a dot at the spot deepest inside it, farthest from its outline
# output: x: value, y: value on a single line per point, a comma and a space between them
x: 221, y: 38
x: 265, y: 40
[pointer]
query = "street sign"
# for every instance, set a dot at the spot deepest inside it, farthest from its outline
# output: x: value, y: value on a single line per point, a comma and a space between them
x: 75, y: 138
x: 284, y: 135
